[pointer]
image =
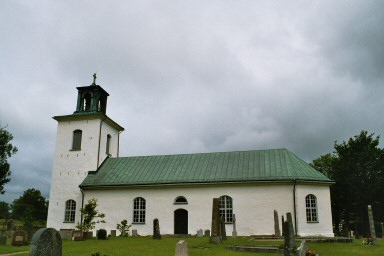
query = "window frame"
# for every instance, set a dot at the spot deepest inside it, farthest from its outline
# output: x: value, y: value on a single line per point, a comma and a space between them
x: 77, y: 137
x: 311, y: 212
x: 182, y: 198
x: 226, y: 208
x: 70, y: 211
x: 139, y: 210
x: 108, y: 145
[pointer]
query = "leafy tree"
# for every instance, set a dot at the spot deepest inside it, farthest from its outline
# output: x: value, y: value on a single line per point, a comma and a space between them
x: 31, y: 205
x: 4, y: 210
x: 123, y: 227
x: 6, y: 151
x: 90, y: 213
x: 357, y: 167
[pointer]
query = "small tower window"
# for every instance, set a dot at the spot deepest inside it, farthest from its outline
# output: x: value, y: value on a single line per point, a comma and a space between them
x: 87, y: 102
x: 108, y: 146
x: 180, y: 200
x: 76, y: 143
x: 70, y: 211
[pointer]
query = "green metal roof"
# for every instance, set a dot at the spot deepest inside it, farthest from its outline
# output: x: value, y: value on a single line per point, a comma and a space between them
x: 204, y: 168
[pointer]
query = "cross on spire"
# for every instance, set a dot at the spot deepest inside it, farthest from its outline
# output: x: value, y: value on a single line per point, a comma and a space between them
x: 94, y: 79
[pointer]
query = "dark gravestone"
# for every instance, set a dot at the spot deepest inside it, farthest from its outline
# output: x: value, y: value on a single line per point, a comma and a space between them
x: 46, y: 242
x: 223, y: 232
x: 113, y: 233
x: 3, y: 239
x: 287, y: 249
x: 292, y: 242
x: 277, y: 227
x: 19, y: 238
x: 234, y: 232
x: 215, y: 228
x: 282, y: 225
x: 156, y: 229
x: 207, y: 232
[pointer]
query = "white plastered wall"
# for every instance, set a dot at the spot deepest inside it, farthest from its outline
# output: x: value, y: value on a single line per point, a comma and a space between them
x: 253, y: 205
x: 71, y: 166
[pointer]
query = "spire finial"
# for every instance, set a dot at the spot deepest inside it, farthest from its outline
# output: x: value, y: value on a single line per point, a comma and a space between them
x: 94, y: 79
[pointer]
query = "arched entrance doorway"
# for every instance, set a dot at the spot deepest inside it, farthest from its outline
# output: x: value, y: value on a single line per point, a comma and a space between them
x: 181, y: 221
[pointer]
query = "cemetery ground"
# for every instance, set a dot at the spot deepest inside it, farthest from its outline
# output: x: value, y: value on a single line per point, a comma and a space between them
x: 140, y: 246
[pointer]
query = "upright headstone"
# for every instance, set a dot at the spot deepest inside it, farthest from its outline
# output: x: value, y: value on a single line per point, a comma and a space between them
x: 65, y: 234
x: 199, y: 233
x: 277, y: 227
x: 19, y: 238
x: 282, y: 225
x: 292, y: 242
x: 301, y: 251
x: 215, y: 229
x: 134, y: 232
x: 181, y: 248
x: 113, y: 232
x: 207, y: 232
x: 156, y: 229
x: 286, y: 234
x: 46, y: 242
x: 3, y: 239
x: 371, y: 225
x: 223, y: 232
x: 234, y: 231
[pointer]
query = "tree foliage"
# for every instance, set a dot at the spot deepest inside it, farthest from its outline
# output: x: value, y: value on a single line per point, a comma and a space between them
x: 4, y: 210
x: 6, y: 151
x: 31, y: 205
x: 123, y: 227
x: 90, y: 213
x: 357, y: 167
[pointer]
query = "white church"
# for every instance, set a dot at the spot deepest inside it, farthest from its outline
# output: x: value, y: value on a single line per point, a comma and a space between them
x: 177, y: 189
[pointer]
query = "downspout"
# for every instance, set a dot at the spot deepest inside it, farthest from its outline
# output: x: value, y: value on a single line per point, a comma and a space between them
x: 82, y: 206
x: 118, y: 143
x: 98, y: 150
x: 294, y: 206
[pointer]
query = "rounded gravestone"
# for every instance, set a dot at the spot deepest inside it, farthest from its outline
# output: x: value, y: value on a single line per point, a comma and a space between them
x: 46, y: 242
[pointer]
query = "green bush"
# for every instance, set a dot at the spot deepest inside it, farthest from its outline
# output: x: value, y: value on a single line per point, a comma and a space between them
x: 102, y: 234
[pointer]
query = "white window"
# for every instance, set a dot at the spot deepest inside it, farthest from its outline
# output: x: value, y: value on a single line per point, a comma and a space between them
x: 226, y: 208
x: 70, y: 211
x: 311, y: 208
x: 139, y: 210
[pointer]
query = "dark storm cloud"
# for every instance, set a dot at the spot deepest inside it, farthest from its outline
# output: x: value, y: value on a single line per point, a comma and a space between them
x: 191, y: 76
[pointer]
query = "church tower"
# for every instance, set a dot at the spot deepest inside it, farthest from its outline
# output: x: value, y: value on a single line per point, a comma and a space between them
x: 84, y: 140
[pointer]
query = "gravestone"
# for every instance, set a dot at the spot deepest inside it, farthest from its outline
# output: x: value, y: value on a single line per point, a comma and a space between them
x: 46, y: 242
x: 113, y: 233
x: 277, y: 227
x: 301, y: 251
x: 156, y: 229
x: 199, y: 233
x: 234, y: 232
x: 223, y: 232
x: 371, y: 225
x: 134, y: 232
x: 282, y: 225
x: 19, y: 238
x: 207, y: 232
x: 215, y: 228
x: 76, y: 234
x: 286, y: 234
x: 292, y: 242
x: 3, y: 239
x: 65, y: 234
x: 181, y: 248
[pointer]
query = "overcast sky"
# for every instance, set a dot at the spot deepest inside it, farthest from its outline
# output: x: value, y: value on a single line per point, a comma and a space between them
x: 191, y: 76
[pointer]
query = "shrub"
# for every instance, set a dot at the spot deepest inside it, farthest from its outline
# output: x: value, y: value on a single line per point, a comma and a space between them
x: 123, y: 227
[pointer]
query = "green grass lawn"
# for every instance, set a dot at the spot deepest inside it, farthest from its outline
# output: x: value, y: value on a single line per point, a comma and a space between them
x: 137, y: 246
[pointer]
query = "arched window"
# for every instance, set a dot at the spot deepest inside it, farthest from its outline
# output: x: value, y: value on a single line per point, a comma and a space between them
x: 108, y: 146
x: 76, y: 143
x: 70, y: 211
x: 139, y: 210
x: 311, y: 208
x: 226, y: 208
x: 87, y: 102
x: 180, y: 200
